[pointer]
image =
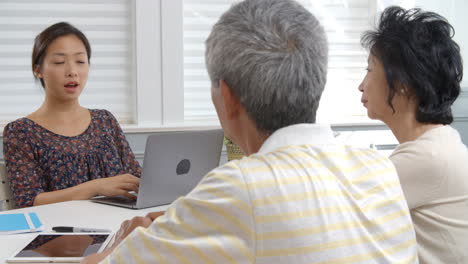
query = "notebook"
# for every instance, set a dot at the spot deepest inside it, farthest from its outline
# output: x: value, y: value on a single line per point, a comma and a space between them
x: 20, y: 223
x: 174, y: 163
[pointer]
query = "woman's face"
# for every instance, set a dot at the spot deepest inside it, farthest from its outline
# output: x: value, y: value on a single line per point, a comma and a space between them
x: 65, y: 68
x: 374, y: 90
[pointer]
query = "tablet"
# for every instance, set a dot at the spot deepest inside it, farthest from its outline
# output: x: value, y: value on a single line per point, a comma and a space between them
x: 61, y: 247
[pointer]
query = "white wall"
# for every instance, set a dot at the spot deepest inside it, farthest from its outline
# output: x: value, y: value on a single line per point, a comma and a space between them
x: 456, y: 13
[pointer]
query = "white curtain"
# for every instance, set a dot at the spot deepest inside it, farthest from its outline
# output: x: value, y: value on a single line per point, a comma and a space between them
x: 108, y: 24
x: 344, y: 22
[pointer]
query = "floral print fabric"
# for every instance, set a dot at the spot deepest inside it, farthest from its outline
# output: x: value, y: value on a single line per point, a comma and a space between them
x: 38, y: 160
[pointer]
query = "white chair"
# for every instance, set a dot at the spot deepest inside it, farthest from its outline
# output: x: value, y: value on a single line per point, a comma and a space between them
x: 6, y: 197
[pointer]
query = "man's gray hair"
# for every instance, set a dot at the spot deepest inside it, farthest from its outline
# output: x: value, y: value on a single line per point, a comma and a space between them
x: 273, y: 55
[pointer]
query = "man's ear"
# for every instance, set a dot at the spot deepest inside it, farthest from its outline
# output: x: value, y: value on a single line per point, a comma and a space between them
x: 232, y: 105
x: 37, y: 71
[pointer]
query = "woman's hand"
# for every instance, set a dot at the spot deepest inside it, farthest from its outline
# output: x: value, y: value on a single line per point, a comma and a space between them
x: 112, y: 186
x: 117, y: 185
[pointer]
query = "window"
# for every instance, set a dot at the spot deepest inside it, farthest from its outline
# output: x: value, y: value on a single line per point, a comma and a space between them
x: 148, y: 57
x: 108, y: 24
x: 344, y: 22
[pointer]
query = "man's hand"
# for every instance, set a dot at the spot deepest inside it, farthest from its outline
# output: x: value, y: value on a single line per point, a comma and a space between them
x: 125, y: 229
x: 154, y: 215
x: 129, y: 225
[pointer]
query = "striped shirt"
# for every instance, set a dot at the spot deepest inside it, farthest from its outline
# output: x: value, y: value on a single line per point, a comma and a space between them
x: 301, y: 199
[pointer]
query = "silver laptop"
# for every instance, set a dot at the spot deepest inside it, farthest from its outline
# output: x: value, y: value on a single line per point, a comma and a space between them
x: 174, y: 163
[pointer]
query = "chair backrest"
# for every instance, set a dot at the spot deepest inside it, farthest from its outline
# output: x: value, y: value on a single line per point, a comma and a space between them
x: 6, y: 197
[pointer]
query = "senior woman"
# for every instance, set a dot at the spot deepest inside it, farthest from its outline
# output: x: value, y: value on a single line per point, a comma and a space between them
x: 413, y: 77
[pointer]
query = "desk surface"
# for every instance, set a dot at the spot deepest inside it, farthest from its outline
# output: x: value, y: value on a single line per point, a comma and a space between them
x: 74, y: 213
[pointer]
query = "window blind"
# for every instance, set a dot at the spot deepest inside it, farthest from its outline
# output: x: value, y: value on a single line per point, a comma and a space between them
x: 344, y: 22
x: 108, y: 24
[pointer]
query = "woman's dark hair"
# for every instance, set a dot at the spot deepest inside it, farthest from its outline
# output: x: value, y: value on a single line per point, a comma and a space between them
x: 418, y: 53
x: 46, y: 37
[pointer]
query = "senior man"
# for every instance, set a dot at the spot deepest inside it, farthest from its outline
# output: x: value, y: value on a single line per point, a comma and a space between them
x: 299, y: 196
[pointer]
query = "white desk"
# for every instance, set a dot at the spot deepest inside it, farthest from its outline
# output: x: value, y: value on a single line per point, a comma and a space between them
x: 73, y: 213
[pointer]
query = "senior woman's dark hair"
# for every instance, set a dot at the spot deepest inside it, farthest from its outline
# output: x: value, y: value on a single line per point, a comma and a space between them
x: 46, y: 37
x: 418, y: 53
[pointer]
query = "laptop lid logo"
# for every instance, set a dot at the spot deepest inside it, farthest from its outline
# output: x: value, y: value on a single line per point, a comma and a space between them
x: 183, y: 167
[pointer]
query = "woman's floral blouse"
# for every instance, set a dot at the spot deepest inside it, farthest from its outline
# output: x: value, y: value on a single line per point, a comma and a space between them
x: 38, y: 160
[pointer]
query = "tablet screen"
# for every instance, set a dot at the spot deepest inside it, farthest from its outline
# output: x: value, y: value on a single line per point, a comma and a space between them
x: 63, y: 245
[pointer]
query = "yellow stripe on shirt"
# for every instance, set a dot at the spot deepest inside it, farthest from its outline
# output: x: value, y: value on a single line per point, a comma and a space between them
x: 229, y: 179
x: 182, y: 226
x: 118, y: 257
x: 316, y: 164
x: 326, y: 211
x: 367, y: 224
x: 289, y: 180
x: 334, y: 244
x: 220, y: 193
x: 314, y: 151
x: 170, y: 248
x: 311, y: 195
x: 190, y: 229
x: 227, y: 215
x: 142, y: 234
x: 133, y: 251
x: 376, y: 254
x: 219, y: 228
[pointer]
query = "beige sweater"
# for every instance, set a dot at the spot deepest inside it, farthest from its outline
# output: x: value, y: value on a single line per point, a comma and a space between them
x: 433, y: 171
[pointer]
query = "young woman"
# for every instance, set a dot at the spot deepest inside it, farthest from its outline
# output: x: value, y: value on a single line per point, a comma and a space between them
x: 64, y: 151
x: 413, y: 77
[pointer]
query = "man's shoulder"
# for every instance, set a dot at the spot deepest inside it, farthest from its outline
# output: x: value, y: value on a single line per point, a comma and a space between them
x: 335, y: 158
x: 322, y: 153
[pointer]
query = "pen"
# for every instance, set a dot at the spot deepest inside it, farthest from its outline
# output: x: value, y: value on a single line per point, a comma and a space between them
x: 71, y: 229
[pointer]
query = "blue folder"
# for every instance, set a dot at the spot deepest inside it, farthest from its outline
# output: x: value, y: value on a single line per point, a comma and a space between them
x: 20, y: 223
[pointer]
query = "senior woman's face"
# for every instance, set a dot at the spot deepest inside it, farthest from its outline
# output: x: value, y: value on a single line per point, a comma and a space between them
x: 374, y: 90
